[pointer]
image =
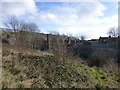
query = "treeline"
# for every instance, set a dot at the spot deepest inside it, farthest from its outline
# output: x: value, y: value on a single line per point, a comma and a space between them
x: 27, y: 34
x: 22, y: 34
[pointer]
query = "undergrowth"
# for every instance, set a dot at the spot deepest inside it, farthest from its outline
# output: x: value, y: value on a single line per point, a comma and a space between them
x: 30, y: 71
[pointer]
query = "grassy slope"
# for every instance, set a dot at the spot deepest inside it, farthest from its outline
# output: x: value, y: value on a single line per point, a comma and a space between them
x: 23, y: 69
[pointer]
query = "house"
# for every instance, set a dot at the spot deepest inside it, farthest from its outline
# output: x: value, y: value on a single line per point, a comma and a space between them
x: 108, y: 39
x: 93, y: 40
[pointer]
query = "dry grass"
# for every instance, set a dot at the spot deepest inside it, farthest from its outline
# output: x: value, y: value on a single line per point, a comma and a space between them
x: 49, y: 71
x: 111, y: 66
x: 15, y: 49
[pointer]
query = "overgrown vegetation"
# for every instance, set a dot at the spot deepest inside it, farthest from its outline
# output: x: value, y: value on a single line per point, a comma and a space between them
x: 48, y: 71
x: 37, y: 60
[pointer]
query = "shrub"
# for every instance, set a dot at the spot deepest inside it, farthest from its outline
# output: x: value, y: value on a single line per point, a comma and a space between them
x: 5, y: 40
x: 14, y: 71
x: 20, y: 78
x: 85, y: 51
x: 98, y: 59
x: 111, y: 66
x: 39, y: 43
x: 20, y: 85
x: 5, y: 53
x: 4, y: 84
x: 39, y: 83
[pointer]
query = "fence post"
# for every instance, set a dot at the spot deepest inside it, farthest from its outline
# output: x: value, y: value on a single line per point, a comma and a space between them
x: 47, y: 42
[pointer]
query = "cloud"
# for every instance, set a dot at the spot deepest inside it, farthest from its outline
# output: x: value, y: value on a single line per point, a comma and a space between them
x: 89, y: 32
x: 72, y: 13
x: 77, y: 18
x: 80, y: 18
x: 18, y: 8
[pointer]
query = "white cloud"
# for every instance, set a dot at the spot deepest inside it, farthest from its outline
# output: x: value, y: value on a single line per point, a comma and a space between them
x: 80, y: 18
x: 73, y: 13
x: 93, y: 30
x: 77, y: 18
x: 18, y: 8
x: 91, y: 9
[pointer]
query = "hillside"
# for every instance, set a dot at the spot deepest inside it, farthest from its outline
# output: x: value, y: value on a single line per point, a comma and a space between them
x: 44, y: 70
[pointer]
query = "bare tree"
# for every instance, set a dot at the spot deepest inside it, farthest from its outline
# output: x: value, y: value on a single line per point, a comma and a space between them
x: 15, y: 25
x: 12, y: 24
x: 24, y: 33
x: 113, y: 31
x: 24, y: 26
x: 32, y: 27
x: 54, y: 32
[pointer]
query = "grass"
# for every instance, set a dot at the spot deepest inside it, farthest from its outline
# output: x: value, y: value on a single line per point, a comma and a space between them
x: 14, y: 49
x: 24, y: 70
x: 20, y: 85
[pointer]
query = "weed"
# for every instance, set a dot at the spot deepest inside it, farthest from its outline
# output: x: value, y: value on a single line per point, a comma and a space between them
x: 20, y: 85
x: 14, y: 71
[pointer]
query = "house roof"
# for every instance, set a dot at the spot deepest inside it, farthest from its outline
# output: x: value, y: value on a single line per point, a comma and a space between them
x: 108, y: 37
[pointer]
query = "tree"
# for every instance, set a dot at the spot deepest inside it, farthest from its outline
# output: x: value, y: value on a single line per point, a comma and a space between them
x: 24, y: 33
x: 32, y: 27
x: 15, y: 25
x: 24, y: 26
x: 54, y: 32
x: 113, y: 31
x: 12, y: 24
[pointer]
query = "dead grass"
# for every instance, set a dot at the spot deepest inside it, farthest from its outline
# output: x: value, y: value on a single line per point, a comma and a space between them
x: 16, y: 50
x: 111, y: 66
x: 49, y: 71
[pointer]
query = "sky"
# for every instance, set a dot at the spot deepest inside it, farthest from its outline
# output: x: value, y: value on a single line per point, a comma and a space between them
x: 91, y: 19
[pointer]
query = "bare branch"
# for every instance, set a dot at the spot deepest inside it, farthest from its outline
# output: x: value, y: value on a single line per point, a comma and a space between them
x: 113, y: 31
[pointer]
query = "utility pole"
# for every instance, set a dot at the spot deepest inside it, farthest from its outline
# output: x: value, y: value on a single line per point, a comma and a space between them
x: 47, y: 42
x: 118, y: 47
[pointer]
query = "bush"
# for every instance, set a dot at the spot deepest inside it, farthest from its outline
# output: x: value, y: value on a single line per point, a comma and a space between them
x: 98, y: 59
x: 57, y: 46
x: 5, y: 53
x: 20, y: 78
x: 20, y: 85
x: 85, y: 51
x: 14, y: 71
x: 111, y: 66
x: 40, y: 83
x: 4, y: 84
x: 5, y: 40
x: 38, y: 43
